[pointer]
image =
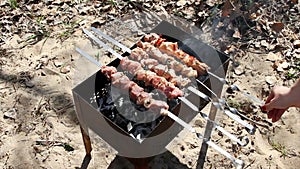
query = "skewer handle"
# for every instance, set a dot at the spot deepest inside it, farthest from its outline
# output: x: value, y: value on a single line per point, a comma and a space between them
x: 90, y: 58
x: 124, y: 48
x: 236, y: 88
x: 229, y: 113
x: 237, y: 162
x: 224, y: 81
x: 239, y: 120
x: 89, y: 34
x: 178, y: 120
x: 231, y: 136
x: 194, y: 108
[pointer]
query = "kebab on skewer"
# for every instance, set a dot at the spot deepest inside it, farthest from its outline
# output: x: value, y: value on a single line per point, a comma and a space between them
x: 159, y: 69
x: 171, y: 48
x: 137, y: 93
x: 163, y: 111
x: 151, y: 78
x: 145, y: 49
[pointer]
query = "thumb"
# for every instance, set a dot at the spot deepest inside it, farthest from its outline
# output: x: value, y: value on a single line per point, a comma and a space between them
x: 268, y: 106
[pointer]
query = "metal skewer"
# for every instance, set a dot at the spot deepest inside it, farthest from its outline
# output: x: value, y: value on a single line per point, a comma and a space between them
x: 216, y: 104
x: 224, y: 81
x: 238, y: 163
x: 234, y: 116
x: 216, y: 125
x: 236, y: 88
x: 106, y: 47
x: 165, y: 112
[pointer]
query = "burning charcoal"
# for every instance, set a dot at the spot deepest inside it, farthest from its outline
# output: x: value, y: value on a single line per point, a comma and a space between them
x: 141, y: 130
x: 121, y: 121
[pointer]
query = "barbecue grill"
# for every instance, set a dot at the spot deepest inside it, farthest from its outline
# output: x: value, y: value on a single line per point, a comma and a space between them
x: 144, y: 140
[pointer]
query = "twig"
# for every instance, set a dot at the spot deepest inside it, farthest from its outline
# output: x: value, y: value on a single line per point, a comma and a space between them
x: 250, y: 164
x: 39, y: 106
x: 253, y: 121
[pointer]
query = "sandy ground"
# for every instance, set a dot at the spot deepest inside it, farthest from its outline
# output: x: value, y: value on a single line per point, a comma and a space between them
x: 38, y: 117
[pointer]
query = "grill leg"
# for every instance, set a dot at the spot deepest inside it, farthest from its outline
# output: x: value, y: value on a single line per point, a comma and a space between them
x: 86, y: 141
x: 209, y: 126
x: 140, y: 163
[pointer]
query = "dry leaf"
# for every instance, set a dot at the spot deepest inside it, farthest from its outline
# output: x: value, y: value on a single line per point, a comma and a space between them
x: 181, y: 3
x: 239, y: 70
x: 58, y: 63
x: 227, y: 9
x: 264, y: 43
x: 10, y: 114
x: 294, y: 1
x: 277, y: 26
x: 236, y: 34
x: 211, y: 3
x: 276, y: 64
x: 257, y: 44
x: 66, y: 69
x: 203, y: 14
x: 253, y: 16
x: 273, y: 57
x: 282, y: 66
x: 297, y: 43
x: 270, y: 80
x: 230, y: 49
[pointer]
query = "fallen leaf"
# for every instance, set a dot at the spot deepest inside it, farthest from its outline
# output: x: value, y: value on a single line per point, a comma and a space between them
x: 239, y: 70
x: 297, y: 43
x: 276, y: 64
x: 181, y: 3
x: 29, y: 84
x: 294, y: 1
x: 273, y: 57
x: 270, y: 80
x: 257, y: 44
x: 10, y: 114
x: 277, y: 26
x: 282, y: 66
x: 204, y: 14
x: 211, y: 3
x: 297, y: 55
x: 58, y: 63
x: 272, y: 46
x: 253, y: 16
x: 230, y: 49
x: 97, y: 23
x: 264, y: 43
x: 65, y: 69
x: 227, y: 9
x: 236, y: 34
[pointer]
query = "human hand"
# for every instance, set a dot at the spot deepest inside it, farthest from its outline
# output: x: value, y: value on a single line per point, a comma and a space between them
x: 278, y: 101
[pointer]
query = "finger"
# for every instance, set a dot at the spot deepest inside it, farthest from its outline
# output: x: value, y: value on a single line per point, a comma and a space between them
x: 278, y: 115
x: 271, y: 114
x: 270, y: 97
x: 274, y: 112
x: 269, y: 106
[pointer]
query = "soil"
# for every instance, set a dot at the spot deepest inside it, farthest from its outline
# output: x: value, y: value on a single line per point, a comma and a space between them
x: 38, y: 123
